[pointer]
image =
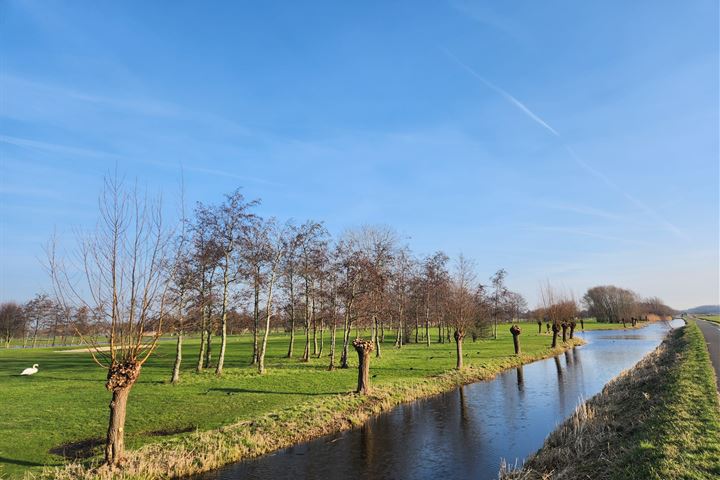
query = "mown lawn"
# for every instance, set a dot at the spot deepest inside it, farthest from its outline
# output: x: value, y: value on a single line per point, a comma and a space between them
x: 66, y: 403
x: 710, y: 318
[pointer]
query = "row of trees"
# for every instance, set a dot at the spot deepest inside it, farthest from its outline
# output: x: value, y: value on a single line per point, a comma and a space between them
x: 226, y: 267
x: 44, y: 318
x: 226, y: 263
x: 609, y: 303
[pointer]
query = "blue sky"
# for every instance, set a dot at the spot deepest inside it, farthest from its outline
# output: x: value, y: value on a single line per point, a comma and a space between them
x: 569, y: 141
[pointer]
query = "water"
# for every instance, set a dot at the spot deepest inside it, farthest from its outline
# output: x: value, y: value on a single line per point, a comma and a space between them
x: 463, y: 434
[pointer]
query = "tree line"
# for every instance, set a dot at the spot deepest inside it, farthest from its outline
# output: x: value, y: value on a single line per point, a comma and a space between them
x: 227, y: 269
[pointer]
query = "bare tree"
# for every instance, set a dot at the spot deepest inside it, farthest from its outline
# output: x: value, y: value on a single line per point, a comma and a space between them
x: 351, y: 265
x: 312, y: 249
x: 229, y: 223
x: 126, y: 269
x: 181, y: 283
x: 435, y: 281
x: 400, y: 278
x: 333, y: 283
x: 498, y: 297
x: 38, y: 310
x: 462, y: 303
x: 290, y: 274
x: 204, y: 259
x: 257, y: 252
x: 277, y: 241
x: 610, y: 303
x: 560, y: 308
x: 12, y: 321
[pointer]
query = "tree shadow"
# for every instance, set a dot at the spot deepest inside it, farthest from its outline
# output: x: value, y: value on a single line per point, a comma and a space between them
x: 22, y: 463
x: 234, y: 391
x: 79, y: 450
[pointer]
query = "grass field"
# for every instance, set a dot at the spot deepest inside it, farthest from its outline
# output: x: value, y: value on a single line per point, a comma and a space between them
x: 710, y: 318
x: 657, y: 421
x: 66, y: 402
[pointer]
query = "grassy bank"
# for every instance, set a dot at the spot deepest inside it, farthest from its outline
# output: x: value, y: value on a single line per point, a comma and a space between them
x: 710, y: 318
x: 659, y: 420
x: 63, y: 408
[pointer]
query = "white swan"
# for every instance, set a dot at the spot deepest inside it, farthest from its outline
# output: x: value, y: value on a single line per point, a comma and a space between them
x: 30, y: 371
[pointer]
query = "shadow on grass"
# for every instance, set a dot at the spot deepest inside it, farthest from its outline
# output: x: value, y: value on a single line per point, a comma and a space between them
x: 79, y: 450
x: 22, y: 463
x: 90, y: 447
x: 234, y: 391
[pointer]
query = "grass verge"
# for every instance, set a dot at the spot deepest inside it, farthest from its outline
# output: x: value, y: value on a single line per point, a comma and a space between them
x: 659, y: 420
x: 710, y: 318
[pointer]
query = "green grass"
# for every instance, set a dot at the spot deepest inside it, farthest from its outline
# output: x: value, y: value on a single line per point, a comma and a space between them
x: 682, y: 438
x: 710, y: 318
x: 66, y: 401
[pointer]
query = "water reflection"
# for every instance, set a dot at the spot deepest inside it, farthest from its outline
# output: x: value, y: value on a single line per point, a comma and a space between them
x: 464, y: 433
x: 519, y: 374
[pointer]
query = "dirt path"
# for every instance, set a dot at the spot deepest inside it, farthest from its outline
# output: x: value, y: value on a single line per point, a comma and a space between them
x: 711, y: 332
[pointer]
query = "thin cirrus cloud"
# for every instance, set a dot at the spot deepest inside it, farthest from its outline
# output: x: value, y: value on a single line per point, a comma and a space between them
x: 94, y: 153
x: 576, y: 158
x: 590, y: 234
x: 584, y: 210
x: 28, y: 97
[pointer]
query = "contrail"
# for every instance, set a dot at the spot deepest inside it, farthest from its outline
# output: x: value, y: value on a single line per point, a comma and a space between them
x: 584, y: 165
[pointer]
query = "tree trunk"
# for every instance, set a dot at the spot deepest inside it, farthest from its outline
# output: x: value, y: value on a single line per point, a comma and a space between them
x: 121, y: 378
x: 314, y: 328
x: 178, y: 359
x: 539, y: 328
x: 292, y: 321
x: 377, y: 338
x: 322, y: 337
x: 572, y: 329
x: 363, y: 348
x: 268, y: 316
x: 564, y: 327
x: 582, y: 324
x: 306, y: 351
x: 292, y: 337
x: 201, y: 354
x: 515, y: 330
x: 332, y: 344
x: 208, y: 344
x: 417, y: 325
x: 427, y: 325
x: 555, y: 330
x: 178, y: 348
x: 256, y: 317
x: 115, y: 440
x: 346, y: 340
x: 459, y: 335
x: 223, y: 322
x: 398, y: 335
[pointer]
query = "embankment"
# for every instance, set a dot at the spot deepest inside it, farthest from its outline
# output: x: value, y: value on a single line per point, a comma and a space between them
x: 658, y: 420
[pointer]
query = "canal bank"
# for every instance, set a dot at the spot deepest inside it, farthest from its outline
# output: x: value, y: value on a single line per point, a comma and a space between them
x: 659, y: 420
x: 465, y: 432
